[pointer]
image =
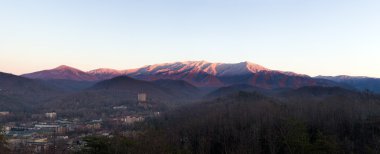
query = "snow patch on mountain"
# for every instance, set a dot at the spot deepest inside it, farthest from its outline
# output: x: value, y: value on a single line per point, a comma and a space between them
x: 216, y: 69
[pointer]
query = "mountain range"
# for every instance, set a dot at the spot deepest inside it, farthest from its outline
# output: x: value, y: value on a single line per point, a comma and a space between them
x: 16, y: 91
x: 359, y: 82
x: 202, y: 74
x: 67, y: 88
x: 197, y: 73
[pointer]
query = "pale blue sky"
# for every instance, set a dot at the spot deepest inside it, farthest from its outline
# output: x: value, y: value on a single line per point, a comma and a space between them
x: 327, y: 37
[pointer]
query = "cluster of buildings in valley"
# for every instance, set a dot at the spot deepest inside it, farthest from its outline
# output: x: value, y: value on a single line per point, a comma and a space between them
x: 42, y: 135
x: 51, y: 131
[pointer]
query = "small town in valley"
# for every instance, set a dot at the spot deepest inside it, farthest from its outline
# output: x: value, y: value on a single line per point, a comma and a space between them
x: 49, y: 132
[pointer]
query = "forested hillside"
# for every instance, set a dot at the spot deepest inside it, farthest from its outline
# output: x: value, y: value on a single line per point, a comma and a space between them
x: 342, y: 122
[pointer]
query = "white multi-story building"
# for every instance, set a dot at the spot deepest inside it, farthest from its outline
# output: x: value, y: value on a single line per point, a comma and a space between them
x: 51, y: 115
x: 132, y: 119
x: 4, y: 113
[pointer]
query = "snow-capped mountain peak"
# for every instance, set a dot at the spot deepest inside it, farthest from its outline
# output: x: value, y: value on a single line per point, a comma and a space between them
x: 217, y: 69
x: 105, y: 71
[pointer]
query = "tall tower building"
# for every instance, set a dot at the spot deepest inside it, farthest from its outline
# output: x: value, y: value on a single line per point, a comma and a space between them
x: 141, y: 97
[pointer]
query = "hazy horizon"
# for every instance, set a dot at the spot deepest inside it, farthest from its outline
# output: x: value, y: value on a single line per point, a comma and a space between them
x: 306, y: 37
x: 86, y: 70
